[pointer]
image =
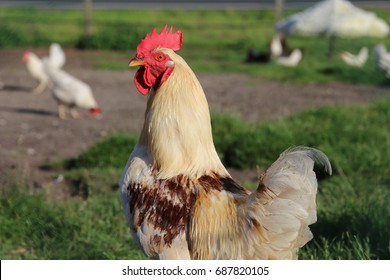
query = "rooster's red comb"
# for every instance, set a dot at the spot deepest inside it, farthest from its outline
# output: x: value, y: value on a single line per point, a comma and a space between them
x: 166, y: 39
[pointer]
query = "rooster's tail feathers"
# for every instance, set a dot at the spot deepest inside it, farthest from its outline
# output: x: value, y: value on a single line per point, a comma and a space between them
x: 285, y: 203
x: 300, y: 152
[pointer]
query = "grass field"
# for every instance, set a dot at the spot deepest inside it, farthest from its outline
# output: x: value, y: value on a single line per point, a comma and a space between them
x: 214, y: 41
x: 353, y: 204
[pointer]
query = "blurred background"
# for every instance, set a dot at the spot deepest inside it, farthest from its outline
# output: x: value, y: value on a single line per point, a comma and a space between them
x: 276, y: 74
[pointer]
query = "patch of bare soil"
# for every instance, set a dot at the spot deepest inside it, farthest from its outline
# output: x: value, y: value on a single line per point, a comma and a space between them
x: 31, y: 133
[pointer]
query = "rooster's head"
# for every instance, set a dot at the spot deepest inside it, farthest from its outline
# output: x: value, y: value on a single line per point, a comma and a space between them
x: 155, y: 65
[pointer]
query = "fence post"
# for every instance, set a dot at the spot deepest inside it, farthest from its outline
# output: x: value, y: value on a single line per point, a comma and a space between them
x: 278, y: 10
x: 87, y: 17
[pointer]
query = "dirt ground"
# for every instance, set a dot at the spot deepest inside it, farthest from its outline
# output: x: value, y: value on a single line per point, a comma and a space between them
x: 31, y: 133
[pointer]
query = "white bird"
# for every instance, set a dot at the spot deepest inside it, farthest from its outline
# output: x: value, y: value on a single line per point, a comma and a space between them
x: 276, y: 46
x: 57, y: 56
x: 70, y: 92
x: 382, y: 58
x: 357, y: 60
x: 292, y: 60
x: 35, y: 66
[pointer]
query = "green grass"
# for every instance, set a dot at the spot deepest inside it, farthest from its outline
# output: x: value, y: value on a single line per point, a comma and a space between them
x: 214, y: 41
x: 112, y: 152
x: 353, y: 204
x: 32, y: 228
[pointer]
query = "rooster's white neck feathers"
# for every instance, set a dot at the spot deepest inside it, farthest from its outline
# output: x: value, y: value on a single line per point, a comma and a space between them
x: 177, y: 128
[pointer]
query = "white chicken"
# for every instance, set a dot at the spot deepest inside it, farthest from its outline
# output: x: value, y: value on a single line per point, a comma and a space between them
x: 57, y: 56
x: 357, y: 60
x: 180, y: 201
x: 35, y: 65
x: 292, y: 60
x: 35, y: 68
x: 276, y: 46
x: 70, y: 92
x: 382, y: 58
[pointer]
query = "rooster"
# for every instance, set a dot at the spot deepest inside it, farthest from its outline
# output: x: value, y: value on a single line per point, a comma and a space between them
x: 35, y: 65
x: 70, y: 92
x: 355, y: 60
x: 180, y: 201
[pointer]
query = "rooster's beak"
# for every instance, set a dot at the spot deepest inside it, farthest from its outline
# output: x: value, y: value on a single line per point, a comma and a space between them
x: 136, y: 62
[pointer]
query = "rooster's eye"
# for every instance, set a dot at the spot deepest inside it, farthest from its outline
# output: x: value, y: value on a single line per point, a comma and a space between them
x: 159, y: 57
